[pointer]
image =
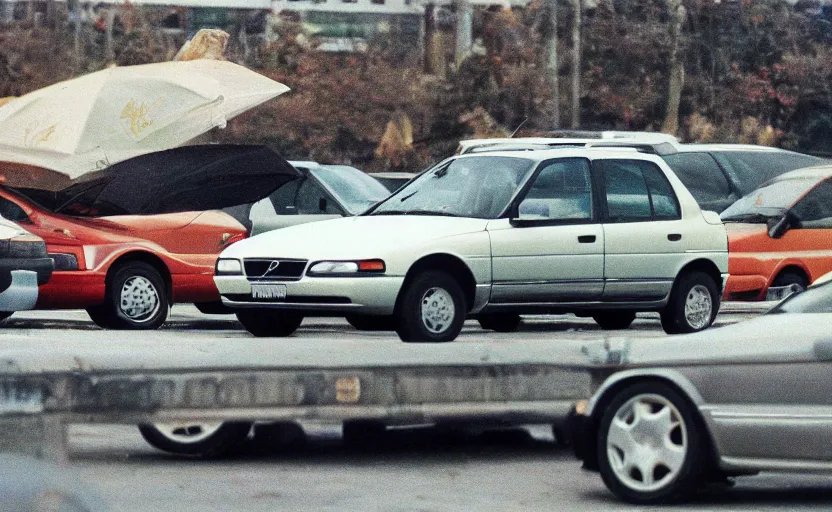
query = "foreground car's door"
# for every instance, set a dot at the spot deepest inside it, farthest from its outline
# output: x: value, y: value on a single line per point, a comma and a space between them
x: 554, y: 251
x: 643, y: 231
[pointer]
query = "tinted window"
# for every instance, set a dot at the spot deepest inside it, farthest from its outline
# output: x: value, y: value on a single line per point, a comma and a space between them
x: 561, y: 191
x: 751, y: 168
x: 815, y: 209
x: 356, y: 190
x: 283, y: 199
x: 311, y: 197
x: 626, y: 190
x: 701, y: 175
x: 662, y: 198
x: 11, y: 211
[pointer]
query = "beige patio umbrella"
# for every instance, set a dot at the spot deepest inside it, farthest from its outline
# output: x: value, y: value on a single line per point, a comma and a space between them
x: 93, y: 121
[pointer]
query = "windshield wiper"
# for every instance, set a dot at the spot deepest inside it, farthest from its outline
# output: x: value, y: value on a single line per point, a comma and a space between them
x: 752, y: 218
x: 415, y: 212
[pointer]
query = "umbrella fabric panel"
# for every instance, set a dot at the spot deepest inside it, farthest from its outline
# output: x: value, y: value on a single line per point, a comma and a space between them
x: 85, y: 124
x: 192, y: 178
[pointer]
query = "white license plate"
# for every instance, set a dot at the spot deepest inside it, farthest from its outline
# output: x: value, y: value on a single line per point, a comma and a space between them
x: 268, y: 291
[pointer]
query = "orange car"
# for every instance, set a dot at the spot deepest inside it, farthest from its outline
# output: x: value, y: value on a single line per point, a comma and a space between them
x: 780, y: 235
x: 132, y: 241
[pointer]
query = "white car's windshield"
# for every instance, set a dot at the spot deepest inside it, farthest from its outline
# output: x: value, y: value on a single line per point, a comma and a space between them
x: 356, y: 190
x: 479, y: 187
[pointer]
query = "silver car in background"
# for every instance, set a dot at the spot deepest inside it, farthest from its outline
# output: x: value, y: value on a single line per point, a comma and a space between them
x: 755, y: 396
x: 323, y: 192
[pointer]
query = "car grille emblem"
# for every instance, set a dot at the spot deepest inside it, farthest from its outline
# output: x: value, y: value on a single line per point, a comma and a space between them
x: 272, y: 267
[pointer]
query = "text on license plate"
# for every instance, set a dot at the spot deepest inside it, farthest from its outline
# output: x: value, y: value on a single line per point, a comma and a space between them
x: 268, y: 291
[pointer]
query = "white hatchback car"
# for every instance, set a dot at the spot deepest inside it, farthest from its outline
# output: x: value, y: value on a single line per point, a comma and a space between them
x: 601, y: 233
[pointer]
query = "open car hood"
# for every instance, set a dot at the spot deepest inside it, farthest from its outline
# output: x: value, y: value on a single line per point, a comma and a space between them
x: 189, y: 178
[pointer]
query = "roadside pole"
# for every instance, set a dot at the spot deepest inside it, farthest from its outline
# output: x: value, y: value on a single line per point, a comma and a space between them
x: 464, y: 30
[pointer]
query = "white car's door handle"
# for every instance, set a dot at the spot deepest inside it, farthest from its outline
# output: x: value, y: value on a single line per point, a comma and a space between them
x: 674, y: 237
x: 586, y: 239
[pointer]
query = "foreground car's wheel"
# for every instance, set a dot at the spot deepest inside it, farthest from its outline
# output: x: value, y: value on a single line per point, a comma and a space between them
x: 197, y: 439
x: 134, y: 299
x: 500, y: 322
x: 213, y: 308
x: 693, y: 304
x: 432, y: 309
x: 268, y: 323
x: 372, y: 323
x: 614, y: 320
x: 650, y: 447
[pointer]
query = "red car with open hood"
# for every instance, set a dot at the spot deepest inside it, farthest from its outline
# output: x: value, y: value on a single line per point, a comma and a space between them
x: 130, y: 241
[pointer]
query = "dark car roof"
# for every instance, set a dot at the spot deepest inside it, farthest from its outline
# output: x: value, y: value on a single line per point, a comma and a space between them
x: 819, y: 172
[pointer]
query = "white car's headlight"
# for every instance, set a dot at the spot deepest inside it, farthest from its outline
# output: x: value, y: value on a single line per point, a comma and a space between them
x: 335, y: 268
x: 229, y: 267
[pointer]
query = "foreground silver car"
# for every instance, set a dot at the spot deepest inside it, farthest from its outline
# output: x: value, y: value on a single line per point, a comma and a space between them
x: 671, y: 414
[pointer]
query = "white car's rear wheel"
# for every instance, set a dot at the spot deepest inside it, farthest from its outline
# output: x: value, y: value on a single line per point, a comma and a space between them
x: 650, y: 447
x: 196, y: 439
x: 693, y: 305
x: 432, y: 309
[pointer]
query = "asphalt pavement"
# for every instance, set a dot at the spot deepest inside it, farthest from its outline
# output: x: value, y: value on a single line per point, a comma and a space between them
x: 408, y: 469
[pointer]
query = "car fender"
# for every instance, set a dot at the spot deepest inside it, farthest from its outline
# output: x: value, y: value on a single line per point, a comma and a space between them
x: 473, y: 249
x: 667, y: 374
x: 100, y: 257
x: 789, y: 262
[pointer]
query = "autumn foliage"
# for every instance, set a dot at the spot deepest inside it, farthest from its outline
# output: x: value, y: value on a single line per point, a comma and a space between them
x: 755, y: 72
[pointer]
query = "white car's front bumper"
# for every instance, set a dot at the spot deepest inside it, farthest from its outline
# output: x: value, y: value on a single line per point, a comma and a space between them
x: 373, y: 295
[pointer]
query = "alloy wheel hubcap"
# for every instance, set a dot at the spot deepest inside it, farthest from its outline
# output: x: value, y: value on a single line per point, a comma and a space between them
x: 139, y: 299
x: 647, y: 443
x: 438, y: 310
x: 698, y: 307
x: 187, y: 433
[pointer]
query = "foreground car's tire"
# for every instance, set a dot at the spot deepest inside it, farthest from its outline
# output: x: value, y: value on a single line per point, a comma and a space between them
x: 213, y: 308
x: 198, y: 439
x: 500, y: 322
x: 650, y: 445
x: 268, y: 323
x: 372, y: 323
x: 693, y: 304
x: 134, y: 298
x: 432, y: 309
x: 614, y: 320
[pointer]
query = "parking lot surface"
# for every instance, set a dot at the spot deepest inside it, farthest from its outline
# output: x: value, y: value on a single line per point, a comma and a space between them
x: 415, y: 469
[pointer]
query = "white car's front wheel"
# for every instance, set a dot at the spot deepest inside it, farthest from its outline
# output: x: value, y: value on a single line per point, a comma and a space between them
x: 270, y: 323
x: 432, y: 309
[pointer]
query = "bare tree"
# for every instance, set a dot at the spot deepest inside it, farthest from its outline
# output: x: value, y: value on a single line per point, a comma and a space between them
x: 550, y: 14
x: 677, y: 69
x: 576, y: 63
